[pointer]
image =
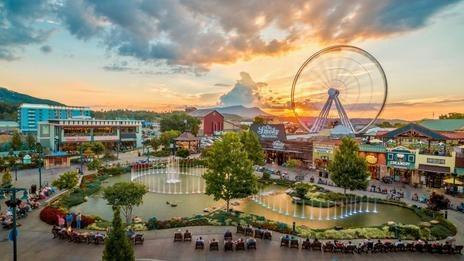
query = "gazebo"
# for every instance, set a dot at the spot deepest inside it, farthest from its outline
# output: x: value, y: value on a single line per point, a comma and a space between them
x: 188, y: 141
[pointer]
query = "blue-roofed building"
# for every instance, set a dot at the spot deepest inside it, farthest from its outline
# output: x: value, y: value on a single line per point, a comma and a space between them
x: 29, y: 115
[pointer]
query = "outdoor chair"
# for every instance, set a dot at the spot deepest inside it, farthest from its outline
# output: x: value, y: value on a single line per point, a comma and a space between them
x: 240, y: 229
x: 214, y: 246
x: 284, y: 242
x: 55, y: 231
x: 82, y: 238
x: 259, y: 233
x: 419, y: 248
x: 339, y: 248
x: 240, y: 246
x: 251, y: 245
x: 268, y: 235
x: 228, y: 236
x: 294, y: 243
x: 457, y: 249
x: 446, y: 249
x: 187, y: 236
x: 99, y: 240
x: 306, y: 245
x: 350, y: 249
x: 90, y: 239
x: 316, y: 246
x: 199, y: 245
x: 389, y: 247
x: 328, y: 248
x: 249, y: 231
x: 436, y: 249
x: 378, y: 248
x: 138, y: 239
x: 410, y: 247
x: 427, y: 248
x: 400, y: 248
x: 228, y: 246
x: 177, y: 236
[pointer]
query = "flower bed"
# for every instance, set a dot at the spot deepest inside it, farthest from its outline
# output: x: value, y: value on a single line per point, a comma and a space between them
x: 50, y: 216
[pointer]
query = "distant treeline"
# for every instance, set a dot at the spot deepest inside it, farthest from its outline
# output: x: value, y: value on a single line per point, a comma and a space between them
x: 8, y: 112
x: 127, y: 114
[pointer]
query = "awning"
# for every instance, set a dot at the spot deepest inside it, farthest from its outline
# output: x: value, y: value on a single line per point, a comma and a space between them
x: 435, y: 169
x: 453, y: 181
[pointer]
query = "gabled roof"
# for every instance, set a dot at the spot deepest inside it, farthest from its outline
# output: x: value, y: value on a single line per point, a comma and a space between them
x: 203, y: 112
x: 416, y: 128
x: 186, y: 136
x: 444, y: 125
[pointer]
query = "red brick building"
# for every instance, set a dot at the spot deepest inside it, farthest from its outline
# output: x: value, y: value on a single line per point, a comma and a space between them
x: 211, y: 121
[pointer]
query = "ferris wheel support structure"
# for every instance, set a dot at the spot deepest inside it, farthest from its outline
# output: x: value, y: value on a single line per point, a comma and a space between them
x: 323, y: 115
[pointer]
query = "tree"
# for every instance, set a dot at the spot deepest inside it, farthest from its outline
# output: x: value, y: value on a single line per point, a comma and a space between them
x: 348, y: 169
x: 125, y: 195
x: 16, y: 141
x: 179, y: 121
x: 252, y: 146
x: 6, y: 178
x: 155, y: 143
x: 259, y: 120
x: 117, y: 245
x: 437, y: 202
x: 167, y: 137
x: 452, y: 115
x: 30, y: 141
x: 230, y: 172
x: 98, y: 148
x: 67, y: 180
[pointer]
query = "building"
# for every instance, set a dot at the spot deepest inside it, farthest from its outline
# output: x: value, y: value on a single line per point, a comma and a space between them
x: 29, y: 115
x: 67, y: 134
x: 278, y: 149
x: 8, y: 127
x: 212, y: 122
x: 375, y: 155
x: 421, y: 156
x: 188, y: 142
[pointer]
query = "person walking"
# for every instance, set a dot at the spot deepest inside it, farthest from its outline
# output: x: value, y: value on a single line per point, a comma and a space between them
x: 78, y: 220
x: 69, y: 219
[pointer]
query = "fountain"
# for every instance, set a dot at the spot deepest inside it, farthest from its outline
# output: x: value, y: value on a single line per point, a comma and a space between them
x: 172, y: 171
x: 375, y: 205
x: 303, y: 211
x: 328, y: 211
x: 367, y: 205
x: 320, y: 210
x: 335, y: 211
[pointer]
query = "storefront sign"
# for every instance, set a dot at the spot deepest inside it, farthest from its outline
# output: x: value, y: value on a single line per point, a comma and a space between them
x: 323, y: 149
x: 436, y: 161
x: 269, y: 131
x: 371, y: 159
x: 76, y: 138
x: 278, y: 145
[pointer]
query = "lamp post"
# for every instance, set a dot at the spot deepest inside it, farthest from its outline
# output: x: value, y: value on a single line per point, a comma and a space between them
x: 13, y: 204
x: 81, y: 160
x: 39, y: 150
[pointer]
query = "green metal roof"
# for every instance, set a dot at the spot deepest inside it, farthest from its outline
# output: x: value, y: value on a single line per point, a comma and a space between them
x: 418, y: 128
x: 443, y: 125
x: 372, y: 148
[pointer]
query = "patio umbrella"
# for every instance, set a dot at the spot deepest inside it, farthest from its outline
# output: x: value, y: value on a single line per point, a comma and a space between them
x: 455, y: 182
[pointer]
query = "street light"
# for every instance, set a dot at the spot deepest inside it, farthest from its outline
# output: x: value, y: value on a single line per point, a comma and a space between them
x: 13, y: 204
x: 39, y: 150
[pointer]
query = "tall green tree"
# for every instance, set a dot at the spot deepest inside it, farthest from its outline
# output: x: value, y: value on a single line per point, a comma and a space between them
x: 348, y: 170
x: 253, y: 147
x: 125, y: 195
x: 180, y: 121
x: 117, y: 245
x: 230, y: 172
x: 16, y: 141
x: 167, y: 137
x: 30, y: 141
x: 97, y: 148
x: 259, y: 120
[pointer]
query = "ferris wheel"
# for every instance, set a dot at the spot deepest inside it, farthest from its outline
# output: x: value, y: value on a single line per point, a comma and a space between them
x: 346, y: 76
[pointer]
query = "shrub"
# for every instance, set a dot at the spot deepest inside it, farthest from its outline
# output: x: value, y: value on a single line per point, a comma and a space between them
x: 152, y: 223
x: 73, y: 198
x: 94, y: 164
x: 183, y: 153
x: 50, y: 215
x: 6, y: 178
x: 440, y: 231
x: 162, y: 153
x: 266, y: 176
x: 67, y: 180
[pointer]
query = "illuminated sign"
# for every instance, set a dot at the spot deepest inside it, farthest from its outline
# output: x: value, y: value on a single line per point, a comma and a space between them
x: 269, y: 131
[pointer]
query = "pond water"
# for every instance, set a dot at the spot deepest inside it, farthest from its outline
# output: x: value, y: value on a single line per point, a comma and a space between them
x: 273, y: 203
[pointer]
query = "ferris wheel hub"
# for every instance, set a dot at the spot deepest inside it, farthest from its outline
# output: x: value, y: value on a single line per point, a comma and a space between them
x: 333, y: 92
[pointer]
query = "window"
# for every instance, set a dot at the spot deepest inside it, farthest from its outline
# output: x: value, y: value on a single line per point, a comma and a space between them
x: 411, y: 158
x: 390, y: 156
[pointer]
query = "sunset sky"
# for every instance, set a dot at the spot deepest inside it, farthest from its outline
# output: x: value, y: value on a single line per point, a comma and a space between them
x: 165, y: 55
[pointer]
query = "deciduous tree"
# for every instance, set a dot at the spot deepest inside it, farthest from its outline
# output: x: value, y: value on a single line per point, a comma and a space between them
x: 252, y: 146
x: 230, y: 172
x: 348, y: 170
x: 16, y: 141
x: 125, y: 195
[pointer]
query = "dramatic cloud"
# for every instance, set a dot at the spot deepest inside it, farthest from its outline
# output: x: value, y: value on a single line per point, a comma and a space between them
x: 17, y: 29
x: 245, y: 92
x: 192, y: 35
